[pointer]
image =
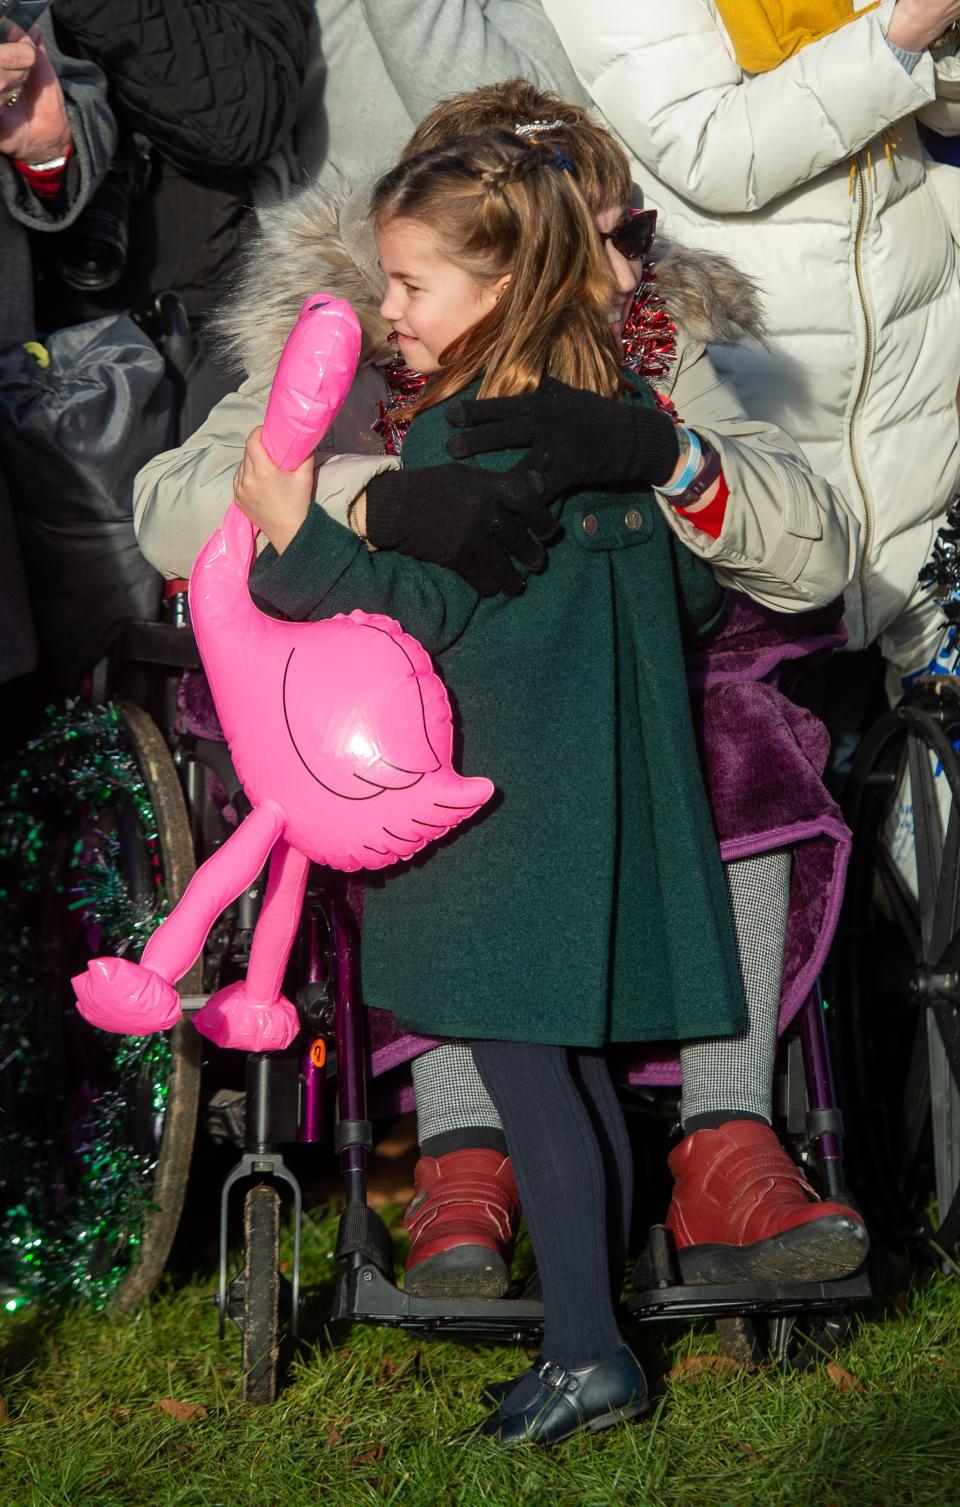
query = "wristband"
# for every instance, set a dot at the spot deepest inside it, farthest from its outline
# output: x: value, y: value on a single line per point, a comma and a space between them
x: 709, y: 472
x: 690, y: 470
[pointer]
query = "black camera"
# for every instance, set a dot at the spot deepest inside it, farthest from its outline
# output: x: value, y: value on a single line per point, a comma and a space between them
x: 94, y: 253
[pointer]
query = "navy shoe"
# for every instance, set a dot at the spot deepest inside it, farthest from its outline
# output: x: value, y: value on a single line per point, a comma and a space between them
x: 565, y: 1402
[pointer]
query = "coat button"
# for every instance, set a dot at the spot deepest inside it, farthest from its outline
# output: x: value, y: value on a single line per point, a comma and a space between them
x: 634, y: 520
x: 590, y: 524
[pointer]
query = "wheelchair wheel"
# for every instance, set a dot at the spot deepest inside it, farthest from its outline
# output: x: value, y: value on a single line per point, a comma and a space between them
x: 898, y: 984
x: 95, y: 847
x: 175, y: 1142
x: 791, y: 1342
x: 261, y: 1293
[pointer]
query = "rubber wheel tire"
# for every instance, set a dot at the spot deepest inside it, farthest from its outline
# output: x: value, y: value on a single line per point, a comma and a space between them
x: 893, y: 1031
x: 183, y: 1085
x: 261, y: 1293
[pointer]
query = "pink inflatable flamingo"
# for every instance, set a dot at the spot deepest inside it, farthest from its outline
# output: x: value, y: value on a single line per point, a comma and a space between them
x: 340, y: 732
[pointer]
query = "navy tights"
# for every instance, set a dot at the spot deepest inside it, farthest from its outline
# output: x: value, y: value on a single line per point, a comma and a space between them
x: 571, y: 1157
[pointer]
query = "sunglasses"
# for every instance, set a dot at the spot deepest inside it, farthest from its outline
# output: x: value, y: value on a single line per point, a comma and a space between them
x: 634, y: 235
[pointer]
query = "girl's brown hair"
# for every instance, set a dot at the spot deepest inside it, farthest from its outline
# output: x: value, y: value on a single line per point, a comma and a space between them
x: 497, y: 205
x: 599, y: 162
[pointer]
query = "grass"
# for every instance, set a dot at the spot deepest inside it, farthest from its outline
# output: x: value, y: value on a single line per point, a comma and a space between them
x: 374, y: 1417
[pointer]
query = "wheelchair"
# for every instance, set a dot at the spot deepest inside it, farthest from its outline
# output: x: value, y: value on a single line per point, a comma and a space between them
x: 317, y: 1091
x: 897, y: 972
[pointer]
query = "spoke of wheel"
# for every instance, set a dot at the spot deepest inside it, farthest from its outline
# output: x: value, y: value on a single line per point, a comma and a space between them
x: 916, y: 1107
x: 928, y: 843
x: 905, y: 907
x: 946, y: 911
x: 945, y: 1114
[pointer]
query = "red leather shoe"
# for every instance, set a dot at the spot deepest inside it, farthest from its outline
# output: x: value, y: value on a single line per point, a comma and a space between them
x: 461, y: 1225
x: 743, y: 1211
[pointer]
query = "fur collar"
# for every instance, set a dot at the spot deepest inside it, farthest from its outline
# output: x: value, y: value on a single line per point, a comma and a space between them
x: 316, y: 240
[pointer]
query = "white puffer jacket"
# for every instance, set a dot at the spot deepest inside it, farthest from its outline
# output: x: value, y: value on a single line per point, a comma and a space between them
x: 849, y: 233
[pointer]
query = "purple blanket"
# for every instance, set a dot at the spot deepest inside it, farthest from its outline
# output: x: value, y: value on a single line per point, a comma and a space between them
x: 763, y: 758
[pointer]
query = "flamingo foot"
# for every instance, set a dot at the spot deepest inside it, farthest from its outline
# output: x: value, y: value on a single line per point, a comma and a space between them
x: 118, y: 995
x: 230, y: 1019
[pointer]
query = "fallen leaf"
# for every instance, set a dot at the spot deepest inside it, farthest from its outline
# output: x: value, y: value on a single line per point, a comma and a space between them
x: 902, y: 1302
x: 386, y: 1370
x: 334, y: 1437
x: 751, y: 1454
x: 844, y: 1381
x: 694, y: 1365
x: 370, y: 1456
x: 184, y: 1412
x: 4, y: 1411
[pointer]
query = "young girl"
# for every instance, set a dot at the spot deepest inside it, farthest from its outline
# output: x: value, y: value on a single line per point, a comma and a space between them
x: 588, y: 907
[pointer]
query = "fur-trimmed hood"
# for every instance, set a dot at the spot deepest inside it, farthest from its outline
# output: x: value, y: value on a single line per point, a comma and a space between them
x: 315, y: 240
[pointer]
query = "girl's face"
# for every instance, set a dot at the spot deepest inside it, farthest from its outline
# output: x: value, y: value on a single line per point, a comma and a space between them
x: 626, y: 274
x: 430, y: 300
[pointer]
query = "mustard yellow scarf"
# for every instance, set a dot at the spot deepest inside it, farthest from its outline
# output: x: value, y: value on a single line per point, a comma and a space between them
x: 764, y: 32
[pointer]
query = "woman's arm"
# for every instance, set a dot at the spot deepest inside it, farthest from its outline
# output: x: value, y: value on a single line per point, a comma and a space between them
x: 181, y: 495
x: 450, y: 46
x: 80, y: 90
x: 788, y: 538
x: 666, y: 78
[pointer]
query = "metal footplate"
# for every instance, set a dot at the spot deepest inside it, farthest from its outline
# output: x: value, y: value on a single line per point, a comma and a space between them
x: 717, y: 1300
x: 668, y: 1297
x: 365, y: 1296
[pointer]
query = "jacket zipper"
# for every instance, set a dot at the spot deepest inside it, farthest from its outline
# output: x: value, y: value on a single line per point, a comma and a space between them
x: 862, y: 389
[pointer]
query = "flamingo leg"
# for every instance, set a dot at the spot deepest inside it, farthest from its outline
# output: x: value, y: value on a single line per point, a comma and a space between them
x: 252, y: 1015
x: 117, y: 994
x: 277, y: 923
x: 177, y: 943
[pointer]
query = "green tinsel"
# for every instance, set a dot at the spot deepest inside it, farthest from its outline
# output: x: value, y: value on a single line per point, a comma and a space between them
x: 76, y: 1184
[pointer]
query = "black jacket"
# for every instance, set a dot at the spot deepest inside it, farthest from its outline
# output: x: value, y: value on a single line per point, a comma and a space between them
x: 214, y: 85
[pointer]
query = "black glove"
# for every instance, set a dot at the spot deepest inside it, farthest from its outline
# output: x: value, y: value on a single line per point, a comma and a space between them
x: 575, y: 438
x: 469, y: 520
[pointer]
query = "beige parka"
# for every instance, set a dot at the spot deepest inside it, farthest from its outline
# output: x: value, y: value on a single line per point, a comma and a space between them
x: 786, y: 540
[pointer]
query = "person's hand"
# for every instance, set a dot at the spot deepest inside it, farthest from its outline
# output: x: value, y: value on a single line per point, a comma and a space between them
x: 35, y: 127
x: 277, y: 501
x: 574, y: 438
x: 477, y: 523
x: 916, y: 23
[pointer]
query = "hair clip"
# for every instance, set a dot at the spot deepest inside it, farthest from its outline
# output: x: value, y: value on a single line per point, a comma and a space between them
x: 533, y: 126
x: 562, y: 162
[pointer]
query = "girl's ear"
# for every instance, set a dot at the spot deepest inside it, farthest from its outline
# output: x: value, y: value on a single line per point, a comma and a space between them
x: 499, y: 286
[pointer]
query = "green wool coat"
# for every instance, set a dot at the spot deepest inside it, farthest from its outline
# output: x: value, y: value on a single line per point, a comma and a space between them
x: 585, y: 904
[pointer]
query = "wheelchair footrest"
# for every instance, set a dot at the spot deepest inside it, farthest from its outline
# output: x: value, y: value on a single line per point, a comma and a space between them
x: 722, y: 1299
x: 363, y: 1233
x: 365, y: 1296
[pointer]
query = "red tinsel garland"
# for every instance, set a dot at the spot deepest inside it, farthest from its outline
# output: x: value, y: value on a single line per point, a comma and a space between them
x: 650, y: 337
x: 404, y: 383
x: 649, y: 348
